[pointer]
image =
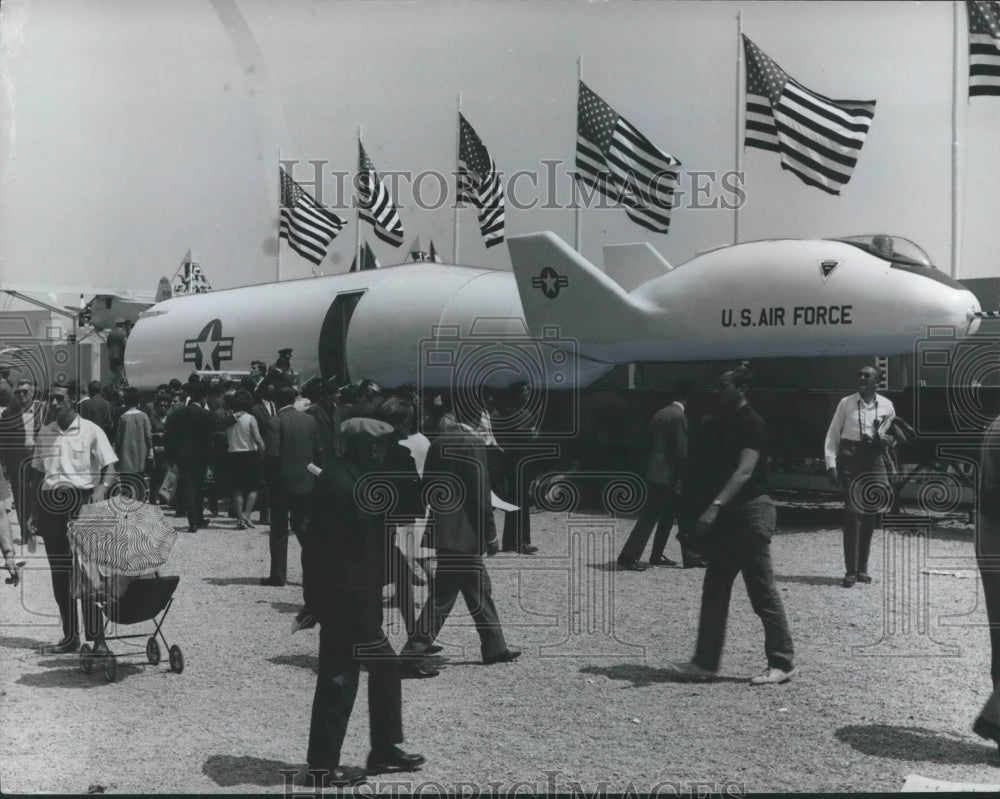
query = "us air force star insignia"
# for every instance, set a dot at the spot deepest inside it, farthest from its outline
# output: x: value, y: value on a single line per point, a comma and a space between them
x: 550, y: 282
x: 826, y: 268
x: 210, y: 348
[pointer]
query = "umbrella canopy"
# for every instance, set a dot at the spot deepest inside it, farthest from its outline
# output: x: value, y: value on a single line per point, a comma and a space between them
x: 123, y: 535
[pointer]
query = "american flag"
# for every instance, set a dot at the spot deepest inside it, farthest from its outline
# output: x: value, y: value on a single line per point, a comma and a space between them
x: 305, y: 224
x: 376, y: 204
x: 984, y: 47
x: 622, y: 164
x: 819, y: 139
x: 190, y: 278
x: 368, y: 260
x: 479, y: 183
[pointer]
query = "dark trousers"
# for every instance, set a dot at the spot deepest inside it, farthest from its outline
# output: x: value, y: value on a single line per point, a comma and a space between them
x: 517, y: 523
x: 865, y: 486
x: 191, y: 490
x: 658, y: 511
x: 264, y: 502
x: 54, y: 511
x: 286, y: 510
x: 743, y: 544
x: 24, y: 484
x: 350, y: 636
x: 466, y: 574
x: 989, y: 571
x: 398, y: 575
x: 158, y: 472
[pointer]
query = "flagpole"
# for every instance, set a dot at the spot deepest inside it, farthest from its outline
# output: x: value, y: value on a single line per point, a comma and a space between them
x: 458, y: 156
x: 956, y: 187
x: 740, y: 123
x: 357, y: 226
x: 277, y: 268
x: 576, y: 197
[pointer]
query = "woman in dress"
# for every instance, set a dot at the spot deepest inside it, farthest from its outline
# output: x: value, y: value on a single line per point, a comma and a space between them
x: 243, y: 459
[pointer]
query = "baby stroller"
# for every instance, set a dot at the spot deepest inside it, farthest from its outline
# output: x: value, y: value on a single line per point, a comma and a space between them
x: 117, y: 546
x: 143, y: 599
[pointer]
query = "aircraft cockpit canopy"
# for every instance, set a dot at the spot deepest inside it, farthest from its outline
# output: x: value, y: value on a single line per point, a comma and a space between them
x: 895, y: 249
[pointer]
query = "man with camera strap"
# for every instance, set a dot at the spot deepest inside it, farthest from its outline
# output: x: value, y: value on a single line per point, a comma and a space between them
x: 854, y: 451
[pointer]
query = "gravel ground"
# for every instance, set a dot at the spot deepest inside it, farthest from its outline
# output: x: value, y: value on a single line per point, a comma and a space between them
x: 891, y: 676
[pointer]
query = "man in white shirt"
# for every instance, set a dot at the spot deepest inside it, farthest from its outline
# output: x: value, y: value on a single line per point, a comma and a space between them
x: 77, y: 465
x: 855, y: 463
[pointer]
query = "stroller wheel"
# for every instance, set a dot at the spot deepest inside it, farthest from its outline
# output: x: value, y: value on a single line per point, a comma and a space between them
x: 110, y: 667
x: 86, y: 664
x: 153, y: 651
x: 176, y: 659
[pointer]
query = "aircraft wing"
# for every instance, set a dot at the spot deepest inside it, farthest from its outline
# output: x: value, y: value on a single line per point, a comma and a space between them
x: 132, y: 295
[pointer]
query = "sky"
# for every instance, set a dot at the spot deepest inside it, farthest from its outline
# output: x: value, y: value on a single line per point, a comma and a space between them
x: 132, y: 130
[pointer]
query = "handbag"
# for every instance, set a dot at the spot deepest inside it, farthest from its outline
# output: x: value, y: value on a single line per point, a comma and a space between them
x: 169, y: 485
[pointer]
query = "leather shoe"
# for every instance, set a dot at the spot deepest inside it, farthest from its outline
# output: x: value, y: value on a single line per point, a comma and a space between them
x: 433, y: 649
x: 65, y: 646
x: 336, y: 777
x: 270, y: 581
x: 393, y: 758
x: 507, y: 656
x: 696, y: 563
x: 527, y: 549
x: 631, y: 566
x: 691, y: 672
x: 193, y: 528
x: 849, y: 580
x: 660, y: 560
x: 864, y: 578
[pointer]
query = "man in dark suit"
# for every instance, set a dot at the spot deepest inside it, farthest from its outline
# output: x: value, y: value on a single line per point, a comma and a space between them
x: 461, y: 532
x: 187, y: 442
x: 19, y: 426
x: 262, y: 410
x: 342, y: 572
x: 292, y: 441
x: 95, y: 408
x: 324, y: 411
x: 520, y: 422
x: 667, y: 457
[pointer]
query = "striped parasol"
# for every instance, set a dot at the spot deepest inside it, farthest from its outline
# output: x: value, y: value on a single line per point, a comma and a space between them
x: 123, y: 535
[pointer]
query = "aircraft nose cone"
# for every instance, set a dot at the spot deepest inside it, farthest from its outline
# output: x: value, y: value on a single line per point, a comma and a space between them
x: 973, y: 311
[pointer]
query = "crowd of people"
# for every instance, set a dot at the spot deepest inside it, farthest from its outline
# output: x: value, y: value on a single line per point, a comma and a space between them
x: 303, y: 459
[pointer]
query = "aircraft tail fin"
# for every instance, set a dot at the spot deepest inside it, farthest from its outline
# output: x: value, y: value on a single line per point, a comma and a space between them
x: 565, y: 296
x: 631, y: 265
x: 163, y: 290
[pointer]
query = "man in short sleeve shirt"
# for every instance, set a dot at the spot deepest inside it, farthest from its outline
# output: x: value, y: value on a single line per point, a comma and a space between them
x: 738, y: 524
x: 77, y: 465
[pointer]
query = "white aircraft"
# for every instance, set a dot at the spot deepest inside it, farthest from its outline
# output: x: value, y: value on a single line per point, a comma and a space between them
x: 786, y: 297
x: 559, y: 321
